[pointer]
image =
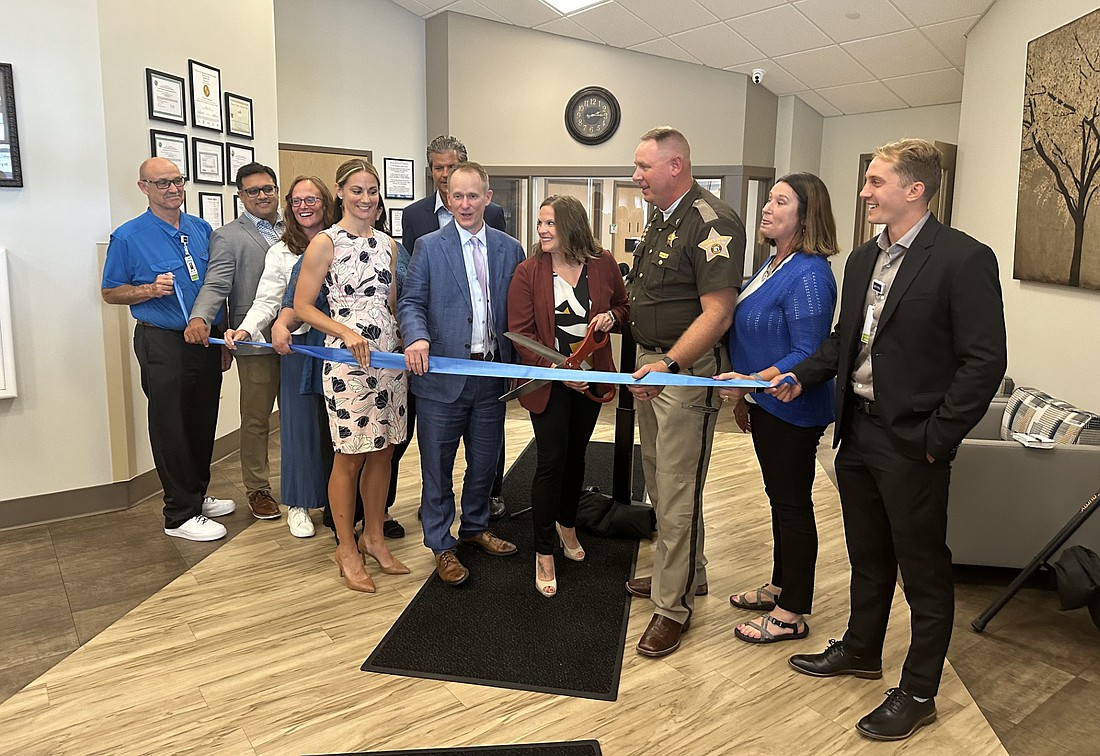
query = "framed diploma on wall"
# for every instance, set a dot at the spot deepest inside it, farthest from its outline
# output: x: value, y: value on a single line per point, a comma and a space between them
x: 209, y: 161
x: 206, y: 96
x: 238, y: 115
x: 236, y: 155
x: 398, y: 174
x: 210, y: 209
x: 171, y: 146
x: 164, y: 94
x: 11, y: 167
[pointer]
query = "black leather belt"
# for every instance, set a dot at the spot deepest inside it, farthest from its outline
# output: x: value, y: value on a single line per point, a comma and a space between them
x: 865, y: 406
x: 488, y: 357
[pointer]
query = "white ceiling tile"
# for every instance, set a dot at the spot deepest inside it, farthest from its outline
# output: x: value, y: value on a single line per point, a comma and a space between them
x: 781, y: 30
x: 566, y: 28
x: 726, y: 9
x: 438, y: 5
x: 825, y: 67
x: 689, y: 14
x: 717, y: 46
x: 665, y: 48
x: 931, y: 88
x: 776, y: 79
x: 873, y: 19
x: 818, y: 103
x: 415, y: 6
x: 474, y: 8
x: 868, y: 97
x: 528, y: 13
x: 897, y: 54
x: 950, y: 38
x: 924, y: 12
x: 615, y: 25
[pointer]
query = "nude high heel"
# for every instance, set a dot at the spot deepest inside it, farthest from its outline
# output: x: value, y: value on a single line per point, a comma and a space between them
x: 397, y: 568
x: 547, y: 588
x: 577, y: 554
x: 361, y: 582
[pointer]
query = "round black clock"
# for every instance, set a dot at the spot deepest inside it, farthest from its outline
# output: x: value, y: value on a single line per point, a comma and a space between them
x: 592, y: 115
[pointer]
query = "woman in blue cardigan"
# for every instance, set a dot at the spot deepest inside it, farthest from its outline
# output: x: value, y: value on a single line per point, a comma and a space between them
x: 783, y: 314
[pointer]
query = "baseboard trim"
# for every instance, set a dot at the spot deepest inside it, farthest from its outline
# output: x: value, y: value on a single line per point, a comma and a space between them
x: 43, y: 509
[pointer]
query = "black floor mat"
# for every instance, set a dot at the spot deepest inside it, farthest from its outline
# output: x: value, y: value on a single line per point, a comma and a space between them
x: 495, y: 629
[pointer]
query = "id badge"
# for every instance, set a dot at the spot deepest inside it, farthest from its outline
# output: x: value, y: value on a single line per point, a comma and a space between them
x: 868, y: 322
x: 188, y: 260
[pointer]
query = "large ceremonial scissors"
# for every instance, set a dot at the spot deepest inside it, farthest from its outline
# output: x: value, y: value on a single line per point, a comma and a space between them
x: 593, y: 340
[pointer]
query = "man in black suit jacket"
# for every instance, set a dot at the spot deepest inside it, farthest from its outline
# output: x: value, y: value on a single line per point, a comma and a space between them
x: 419, y: 219
x: 919, y: 350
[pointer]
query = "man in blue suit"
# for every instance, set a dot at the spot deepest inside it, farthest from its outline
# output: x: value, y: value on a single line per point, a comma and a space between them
x: 454, y: 304
x: 419, y: 219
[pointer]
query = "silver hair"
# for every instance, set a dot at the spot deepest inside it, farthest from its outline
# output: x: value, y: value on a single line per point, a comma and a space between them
x: 443, y: 144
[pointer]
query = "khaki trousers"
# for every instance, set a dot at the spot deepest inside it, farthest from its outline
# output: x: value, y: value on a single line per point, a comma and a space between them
x: 677, y: 433
x: 259, y: 379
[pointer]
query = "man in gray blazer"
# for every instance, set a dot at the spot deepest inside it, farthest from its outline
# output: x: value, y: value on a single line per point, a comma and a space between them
x: 237, y: 254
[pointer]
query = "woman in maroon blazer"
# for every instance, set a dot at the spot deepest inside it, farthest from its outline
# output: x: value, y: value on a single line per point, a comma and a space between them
x: 568, y: 284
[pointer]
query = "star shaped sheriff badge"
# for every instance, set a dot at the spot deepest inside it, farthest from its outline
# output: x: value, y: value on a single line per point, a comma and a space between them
x: 716, y: 245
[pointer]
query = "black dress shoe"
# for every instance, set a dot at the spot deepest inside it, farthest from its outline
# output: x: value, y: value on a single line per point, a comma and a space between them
x: 497, y: 508
x: 898, y: 717
x: 835, y: 660
x: 393, y: 529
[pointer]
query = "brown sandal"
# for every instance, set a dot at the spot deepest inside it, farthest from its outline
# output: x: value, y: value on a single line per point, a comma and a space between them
x: 766, y: 635
x: 741, y: 601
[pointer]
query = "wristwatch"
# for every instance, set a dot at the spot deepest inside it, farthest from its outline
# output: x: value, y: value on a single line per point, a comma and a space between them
x: 672, y: 365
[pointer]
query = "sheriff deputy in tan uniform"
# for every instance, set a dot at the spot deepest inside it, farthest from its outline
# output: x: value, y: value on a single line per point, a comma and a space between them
x: 687, y: 273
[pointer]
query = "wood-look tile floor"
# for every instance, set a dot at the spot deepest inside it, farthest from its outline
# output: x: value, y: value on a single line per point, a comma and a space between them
x: 121, y: 640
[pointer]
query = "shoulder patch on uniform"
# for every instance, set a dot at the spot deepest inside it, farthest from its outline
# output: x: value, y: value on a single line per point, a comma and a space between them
x: 716, y: 245
x: 706, y: 212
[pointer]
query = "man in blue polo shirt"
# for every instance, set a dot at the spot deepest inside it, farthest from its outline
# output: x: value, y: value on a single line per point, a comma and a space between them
x: 155, y: 264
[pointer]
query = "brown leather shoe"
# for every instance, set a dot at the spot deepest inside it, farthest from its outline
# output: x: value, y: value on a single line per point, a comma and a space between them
x: 642, y: 587
x: 662, y: 637
x: 490, y: 544
x: 449, y: 569
x: 263, y: 506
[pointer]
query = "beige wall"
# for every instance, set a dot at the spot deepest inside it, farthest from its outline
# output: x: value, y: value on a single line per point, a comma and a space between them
x: 798, y: 132
x: 330, y: 97
x: 1053, y: 331
x: 507, y: 87
x: 52, y: 435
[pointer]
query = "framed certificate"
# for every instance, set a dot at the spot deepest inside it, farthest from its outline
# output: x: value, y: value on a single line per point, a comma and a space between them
x: 395, y: 222
x: 206, y: 96
x: 209, y: 161
x: 164, y: 94
x: 171, y: 146
x: 238, y: 115
x: 237, y: 209
x: 210, y: 208
x: 11, y: 168
x: 236, y: 155
x: 399, y: 178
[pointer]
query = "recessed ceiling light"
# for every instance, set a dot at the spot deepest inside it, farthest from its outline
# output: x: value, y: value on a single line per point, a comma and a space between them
x: 565, y: 7
x: 853, y: 15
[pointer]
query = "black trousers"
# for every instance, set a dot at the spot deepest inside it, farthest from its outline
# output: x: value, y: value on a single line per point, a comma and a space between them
x: 895, y: 516
x: 788, y: 456
x: 182, y: 383
x: 562, y: 432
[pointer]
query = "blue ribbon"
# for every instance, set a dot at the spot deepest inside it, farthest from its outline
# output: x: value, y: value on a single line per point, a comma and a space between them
x: 453, y: 366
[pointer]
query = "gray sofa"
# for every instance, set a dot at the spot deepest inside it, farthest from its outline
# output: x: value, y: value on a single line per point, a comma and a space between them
x: 1008, y: 501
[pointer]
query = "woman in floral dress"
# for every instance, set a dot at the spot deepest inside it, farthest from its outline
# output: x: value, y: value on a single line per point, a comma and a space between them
x: 366, y: 406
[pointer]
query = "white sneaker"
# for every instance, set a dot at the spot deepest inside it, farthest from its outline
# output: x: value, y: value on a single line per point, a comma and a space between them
x: 198, y: 529
x: 300, y: 524
x: 212, y: 507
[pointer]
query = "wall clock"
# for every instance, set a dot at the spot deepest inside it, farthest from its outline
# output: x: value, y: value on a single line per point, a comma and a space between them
x: 592, y: 115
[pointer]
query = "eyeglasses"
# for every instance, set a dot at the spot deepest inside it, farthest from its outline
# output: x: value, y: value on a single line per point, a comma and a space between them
x: 163, y: 184
x: 254, y: 191
x: 307, y: 201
